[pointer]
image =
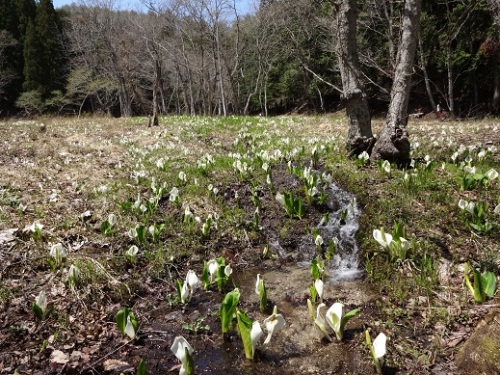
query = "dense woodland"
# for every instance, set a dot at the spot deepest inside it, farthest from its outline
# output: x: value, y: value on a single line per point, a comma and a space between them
x: 202, y: 57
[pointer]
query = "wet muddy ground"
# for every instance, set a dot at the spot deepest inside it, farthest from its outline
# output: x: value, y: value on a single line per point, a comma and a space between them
x: 297, y: 348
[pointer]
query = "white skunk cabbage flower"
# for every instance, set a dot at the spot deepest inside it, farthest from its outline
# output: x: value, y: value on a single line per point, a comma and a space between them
x: 320, y: 321
x: 57, y: 252
x: 273, y: 324
x: 187, y: 212
x: 213, y: 266
x: 129, y: 329
x: 464, y: 205
x: 269, y: 181
x: 174, y: 194
x: 185, y: 292
x: 319, y: 286
x: 469, y: 169
x: 405, y: 244
x: 382, y: 238
x: 280, y: 198
x: 364, y: 156
x: 492, y: 174
x: 191, y: 279
x: 386, y: 166
x: 112, y: 219
x: 188, y: 287
x: 318, y: 241
x: 182, y: 176
x: 228, y: 270
x: 33, y: 227
x: 255, y: 335
x: 334, y: 316
x: 257, y: 284
x: 73, y: 272
x: 179, y: 349
x: 132, y: 251
x: 41, y: 301
x: 337, y: 321
x: 379, y: 345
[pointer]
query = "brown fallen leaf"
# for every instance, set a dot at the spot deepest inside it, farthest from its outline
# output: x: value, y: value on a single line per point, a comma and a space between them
x: 59, y: 357
x: 78, y: 358
x: 7, y: 235
x: 454, y: 339
x: 115, y: 364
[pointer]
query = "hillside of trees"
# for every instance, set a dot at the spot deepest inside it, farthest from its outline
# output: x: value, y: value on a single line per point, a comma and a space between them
x: 202, y: 57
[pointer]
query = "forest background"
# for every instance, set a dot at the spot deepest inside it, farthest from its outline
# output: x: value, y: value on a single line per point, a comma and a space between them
x: 213, y: 57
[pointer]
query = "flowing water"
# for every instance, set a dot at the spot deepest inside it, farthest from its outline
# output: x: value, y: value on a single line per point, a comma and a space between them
x: 340, y: 225
x: 343, y: 225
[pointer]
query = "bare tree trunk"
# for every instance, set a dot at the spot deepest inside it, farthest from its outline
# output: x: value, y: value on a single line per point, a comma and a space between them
x: 218, y: 66
x: 454, y: 28
x: 393, y: 144
x: 189, y: 78
x: 449, y: 69
x: 423, y: 67
x: 496, y: 91
x: 124, y: 98
x: 156, y: 87
x: 360, y: 137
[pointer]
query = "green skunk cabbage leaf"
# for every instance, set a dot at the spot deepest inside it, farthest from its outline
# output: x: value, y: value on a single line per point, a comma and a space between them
x: 489, y: 283
x: 346, y: 317
x: 188, y: 363
x: 245, y: 328
x: 141, y: 369
x: 228, y: 308
x: 262, y: 296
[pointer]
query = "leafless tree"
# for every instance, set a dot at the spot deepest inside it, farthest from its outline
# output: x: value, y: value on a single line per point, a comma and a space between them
x: 100, y: 42
x: 261, y: 47
x: 452, y: 32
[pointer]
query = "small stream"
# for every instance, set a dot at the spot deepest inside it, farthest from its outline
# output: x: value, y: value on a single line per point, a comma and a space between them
x: 341, y: 224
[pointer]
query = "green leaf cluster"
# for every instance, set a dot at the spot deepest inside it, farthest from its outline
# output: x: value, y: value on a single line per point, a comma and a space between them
x: 485, y: 284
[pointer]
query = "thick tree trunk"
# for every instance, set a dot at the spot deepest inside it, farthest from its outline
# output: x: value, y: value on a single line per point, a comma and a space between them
x: 393, y: 144
x: 360, y: 137
x: 124, y: 99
